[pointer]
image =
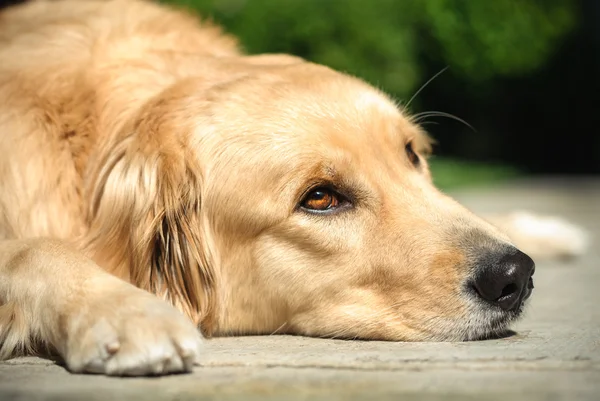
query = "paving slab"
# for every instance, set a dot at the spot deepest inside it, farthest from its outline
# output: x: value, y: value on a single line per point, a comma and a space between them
x: 554, y: 353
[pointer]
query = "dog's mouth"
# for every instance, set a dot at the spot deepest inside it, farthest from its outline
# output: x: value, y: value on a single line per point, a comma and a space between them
x: 489, y: 321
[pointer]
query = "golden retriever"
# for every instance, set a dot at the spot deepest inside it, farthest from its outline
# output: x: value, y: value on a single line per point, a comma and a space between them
x: 155, y: 181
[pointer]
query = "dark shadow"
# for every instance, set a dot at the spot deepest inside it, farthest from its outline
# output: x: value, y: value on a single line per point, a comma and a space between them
x: 499, y: 336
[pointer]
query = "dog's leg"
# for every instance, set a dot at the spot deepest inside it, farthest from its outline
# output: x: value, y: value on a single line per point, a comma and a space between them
x: 542, y: 237
x: 96, y: 322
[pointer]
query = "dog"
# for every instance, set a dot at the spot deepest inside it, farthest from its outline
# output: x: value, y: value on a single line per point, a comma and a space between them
x: 158, y: 186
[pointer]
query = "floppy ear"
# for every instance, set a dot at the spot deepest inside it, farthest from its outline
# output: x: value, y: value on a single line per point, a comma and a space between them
x: 146, y: 224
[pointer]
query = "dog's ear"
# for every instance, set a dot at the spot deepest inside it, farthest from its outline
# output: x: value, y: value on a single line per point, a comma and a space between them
x: 146, y: 226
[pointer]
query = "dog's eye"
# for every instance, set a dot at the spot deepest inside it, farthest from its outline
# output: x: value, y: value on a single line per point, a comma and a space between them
x: 321, y: 200
x: 412, y: 156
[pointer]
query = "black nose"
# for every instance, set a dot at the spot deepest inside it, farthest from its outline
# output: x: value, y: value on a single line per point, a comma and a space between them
x: 504, y: 279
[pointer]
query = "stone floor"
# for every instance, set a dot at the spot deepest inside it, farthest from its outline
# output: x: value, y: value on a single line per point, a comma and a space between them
x: 555, y: 353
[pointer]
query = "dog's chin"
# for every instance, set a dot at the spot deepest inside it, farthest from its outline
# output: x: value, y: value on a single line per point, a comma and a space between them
x: 493, y: 327
x: 482, y: 322
x: 486, y: 323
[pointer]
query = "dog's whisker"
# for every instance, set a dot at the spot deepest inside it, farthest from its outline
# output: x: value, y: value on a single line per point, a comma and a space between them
x: 369, y: 322
x: 417, y: 118
x: 279, y: 328
x: 428, y: 123
x: 407, y: 105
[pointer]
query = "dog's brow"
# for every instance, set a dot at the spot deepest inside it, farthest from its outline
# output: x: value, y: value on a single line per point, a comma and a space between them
x: 369, y: 99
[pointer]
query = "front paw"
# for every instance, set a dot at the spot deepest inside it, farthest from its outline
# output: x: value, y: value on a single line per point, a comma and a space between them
x: 545, y: 236
x: 131, y: 333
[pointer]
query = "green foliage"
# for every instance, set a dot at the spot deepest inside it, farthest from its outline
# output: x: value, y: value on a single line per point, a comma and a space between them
x: 451, y: 173
x: 499, y: 37
x: 389, y: 42
x: 381, y: 40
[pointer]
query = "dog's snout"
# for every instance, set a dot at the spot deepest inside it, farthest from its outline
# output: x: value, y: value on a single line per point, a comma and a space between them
x: 505, y: 279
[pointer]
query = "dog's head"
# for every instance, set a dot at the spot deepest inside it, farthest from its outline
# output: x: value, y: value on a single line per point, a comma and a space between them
x: 295, y: 199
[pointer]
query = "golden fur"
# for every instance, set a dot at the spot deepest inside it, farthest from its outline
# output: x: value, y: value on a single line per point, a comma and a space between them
x: 139, y: 141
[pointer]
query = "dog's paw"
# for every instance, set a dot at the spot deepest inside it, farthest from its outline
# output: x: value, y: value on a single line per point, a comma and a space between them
x: 543, y: 236
x: 132, y: 334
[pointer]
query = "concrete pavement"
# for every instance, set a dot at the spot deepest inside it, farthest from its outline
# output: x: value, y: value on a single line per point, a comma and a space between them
x: 555, y: 353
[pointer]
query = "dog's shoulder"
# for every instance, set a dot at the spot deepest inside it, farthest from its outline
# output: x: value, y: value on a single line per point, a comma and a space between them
x: 90, y: 65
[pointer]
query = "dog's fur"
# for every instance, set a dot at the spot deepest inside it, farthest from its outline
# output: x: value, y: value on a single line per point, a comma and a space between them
x: 140, y: 148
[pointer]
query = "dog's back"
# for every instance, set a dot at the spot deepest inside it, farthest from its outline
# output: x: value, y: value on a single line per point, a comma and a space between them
x: 72, y: 73
x: 87, y: 23
x: 42, y: 42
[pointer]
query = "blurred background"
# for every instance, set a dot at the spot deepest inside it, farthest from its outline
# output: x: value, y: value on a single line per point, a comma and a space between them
x: 522, y: 73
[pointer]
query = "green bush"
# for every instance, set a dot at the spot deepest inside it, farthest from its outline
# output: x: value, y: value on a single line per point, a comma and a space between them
x: 398, y: 44
x: 381, y: 40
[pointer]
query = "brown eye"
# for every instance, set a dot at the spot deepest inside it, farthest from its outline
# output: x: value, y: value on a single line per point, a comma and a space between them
x: 321, y: 199
x: 412, y: 156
